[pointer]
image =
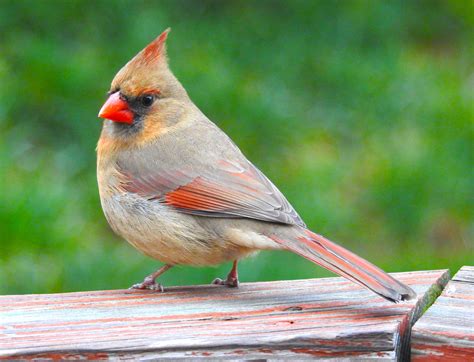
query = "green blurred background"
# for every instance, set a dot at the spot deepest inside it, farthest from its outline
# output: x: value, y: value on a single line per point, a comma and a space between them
x: 361, y: 112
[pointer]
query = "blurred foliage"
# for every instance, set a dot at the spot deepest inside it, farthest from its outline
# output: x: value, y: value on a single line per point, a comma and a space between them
x: 360, y: 111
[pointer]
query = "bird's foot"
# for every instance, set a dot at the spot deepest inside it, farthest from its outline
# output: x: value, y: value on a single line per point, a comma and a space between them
x: 148, y: 284
x: 230, y: 282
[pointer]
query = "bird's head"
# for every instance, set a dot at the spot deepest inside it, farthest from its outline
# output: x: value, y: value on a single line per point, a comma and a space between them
x: 144, y: 95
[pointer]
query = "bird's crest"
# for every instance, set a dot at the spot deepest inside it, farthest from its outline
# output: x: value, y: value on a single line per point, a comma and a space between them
x: 155, y: 51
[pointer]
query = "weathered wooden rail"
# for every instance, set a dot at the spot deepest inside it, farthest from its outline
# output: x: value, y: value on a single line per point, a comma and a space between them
x: 328, y: 318
x: 446, y: 330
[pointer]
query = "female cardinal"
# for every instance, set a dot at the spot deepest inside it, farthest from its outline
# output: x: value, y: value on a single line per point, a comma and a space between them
x: 178, y: 189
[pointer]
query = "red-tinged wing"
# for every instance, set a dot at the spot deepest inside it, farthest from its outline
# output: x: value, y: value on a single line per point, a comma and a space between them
x: 230, y: 190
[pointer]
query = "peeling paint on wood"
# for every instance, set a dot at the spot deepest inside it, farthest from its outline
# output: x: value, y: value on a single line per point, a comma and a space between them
x: 446, y: 330
x: 329, y: 318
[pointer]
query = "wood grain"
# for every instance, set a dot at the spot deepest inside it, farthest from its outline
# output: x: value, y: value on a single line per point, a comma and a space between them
x: 446, y: 330
x: 328, y: 317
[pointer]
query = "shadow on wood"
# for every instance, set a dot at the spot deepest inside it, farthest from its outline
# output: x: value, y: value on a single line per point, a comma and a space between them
x: 328, y: 317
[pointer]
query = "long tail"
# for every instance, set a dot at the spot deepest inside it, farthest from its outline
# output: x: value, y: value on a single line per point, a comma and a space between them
x: 331, y: 256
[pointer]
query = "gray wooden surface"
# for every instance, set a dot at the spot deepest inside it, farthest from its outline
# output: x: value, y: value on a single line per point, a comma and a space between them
x: 446, y: 330
x: 328, y: 317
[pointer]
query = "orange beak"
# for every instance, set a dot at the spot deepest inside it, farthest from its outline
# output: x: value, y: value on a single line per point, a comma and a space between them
x: 116, y: 109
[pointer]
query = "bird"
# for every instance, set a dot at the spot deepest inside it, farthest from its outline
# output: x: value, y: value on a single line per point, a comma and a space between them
x: 179, y: 190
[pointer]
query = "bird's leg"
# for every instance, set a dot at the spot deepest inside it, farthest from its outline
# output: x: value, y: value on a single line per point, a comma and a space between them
x: 232, y: 278
x: 150, y: 281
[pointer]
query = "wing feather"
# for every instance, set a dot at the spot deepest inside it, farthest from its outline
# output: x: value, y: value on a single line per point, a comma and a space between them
x: 233, y: 189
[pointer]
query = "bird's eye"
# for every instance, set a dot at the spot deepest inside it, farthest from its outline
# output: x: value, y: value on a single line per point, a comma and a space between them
x: 147, y: 100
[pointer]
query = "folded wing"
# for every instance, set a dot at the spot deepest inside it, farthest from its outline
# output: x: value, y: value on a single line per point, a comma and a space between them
x: 233, y: 189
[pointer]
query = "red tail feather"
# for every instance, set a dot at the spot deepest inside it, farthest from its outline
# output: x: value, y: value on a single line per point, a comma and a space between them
x: 341, y: 261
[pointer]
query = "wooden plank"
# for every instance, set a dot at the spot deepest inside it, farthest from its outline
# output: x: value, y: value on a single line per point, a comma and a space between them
x: 328, y: 317
x: 446, y: 330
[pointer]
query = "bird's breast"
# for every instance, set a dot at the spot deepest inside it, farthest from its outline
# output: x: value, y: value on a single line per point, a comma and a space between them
x: 163, y: 233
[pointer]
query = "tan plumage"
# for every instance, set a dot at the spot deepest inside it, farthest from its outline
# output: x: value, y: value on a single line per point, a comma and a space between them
x: 179, y: 190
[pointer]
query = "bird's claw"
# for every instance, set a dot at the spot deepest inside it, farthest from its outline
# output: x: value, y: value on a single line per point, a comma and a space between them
x: 230, y: 282
x: 148, y: 284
